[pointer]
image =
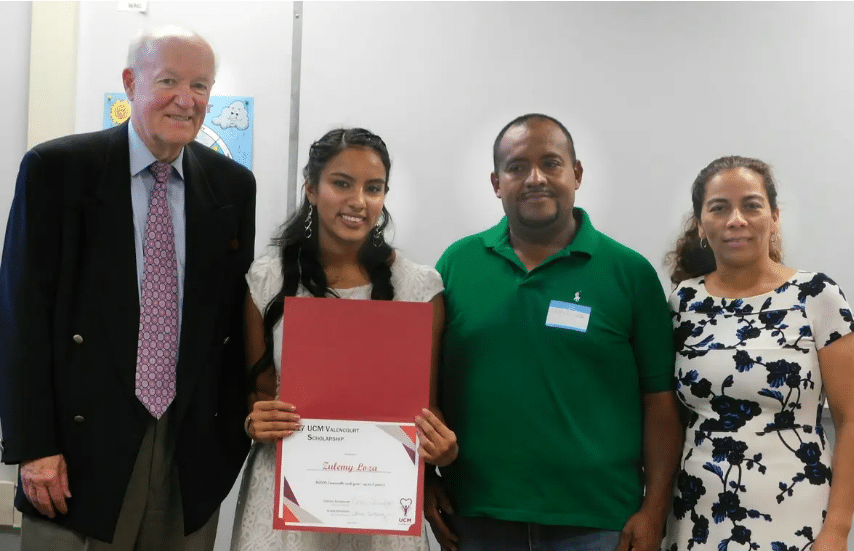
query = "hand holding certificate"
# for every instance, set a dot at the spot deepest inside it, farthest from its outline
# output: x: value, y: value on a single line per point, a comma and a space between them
x: 353, y: 464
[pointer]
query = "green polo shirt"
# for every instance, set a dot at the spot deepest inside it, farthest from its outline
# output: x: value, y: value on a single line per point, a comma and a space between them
x: 549, y: 419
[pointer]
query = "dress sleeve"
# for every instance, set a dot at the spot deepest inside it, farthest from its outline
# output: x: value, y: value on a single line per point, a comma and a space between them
x: 673, y: 300
x: 415, y: 282
x: 682, y: 297
x: 429, y: 283
x: 264, y: 279
x: 828, y: 311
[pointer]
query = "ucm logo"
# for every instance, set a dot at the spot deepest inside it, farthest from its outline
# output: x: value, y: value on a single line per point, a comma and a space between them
x: 405, y: 504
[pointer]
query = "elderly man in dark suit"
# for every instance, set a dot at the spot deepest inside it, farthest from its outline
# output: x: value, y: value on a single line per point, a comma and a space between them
x: 122, y: 392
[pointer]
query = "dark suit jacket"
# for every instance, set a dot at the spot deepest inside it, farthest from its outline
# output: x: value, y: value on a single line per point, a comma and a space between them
x: 69, y: 319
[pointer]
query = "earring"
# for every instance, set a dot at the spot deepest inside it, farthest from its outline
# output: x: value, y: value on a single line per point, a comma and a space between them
x: 704, y: 242
x: 307, y: 224
x: 378, y: 236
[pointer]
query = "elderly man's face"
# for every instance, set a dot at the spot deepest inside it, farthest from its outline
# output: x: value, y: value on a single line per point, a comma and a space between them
x: 169, y: 91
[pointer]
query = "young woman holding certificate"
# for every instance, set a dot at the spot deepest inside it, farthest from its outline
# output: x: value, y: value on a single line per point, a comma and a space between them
x: 333, y: 247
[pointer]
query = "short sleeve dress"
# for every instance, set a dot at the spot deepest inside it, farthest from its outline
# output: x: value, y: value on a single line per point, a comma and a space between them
x: 253, y: 522
x: 755, y: 470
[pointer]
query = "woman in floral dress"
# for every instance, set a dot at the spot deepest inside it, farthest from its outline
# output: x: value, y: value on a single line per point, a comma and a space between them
x: 759, y: 346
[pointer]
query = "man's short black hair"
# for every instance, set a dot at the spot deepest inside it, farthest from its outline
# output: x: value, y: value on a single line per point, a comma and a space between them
x: 523, y: 119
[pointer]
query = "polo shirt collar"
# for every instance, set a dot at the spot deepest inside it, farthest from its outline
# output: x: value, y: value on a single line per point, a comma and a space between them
x: 586, y: 239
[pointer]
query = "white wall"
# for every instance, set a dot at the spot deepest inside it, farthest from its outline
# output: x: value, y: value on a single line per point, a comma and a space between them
x: 14, y: 37
x: 652, y: 92
x: 53, y: 66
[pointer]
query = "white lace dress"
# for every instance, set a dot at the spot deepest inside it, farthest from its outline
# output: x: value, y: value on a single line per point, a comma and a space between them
x: 253, y: 521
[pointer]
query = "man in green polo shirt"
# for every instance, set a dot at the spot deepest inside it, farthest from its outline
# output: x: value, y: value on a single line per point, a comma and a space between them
x: 557, y: 371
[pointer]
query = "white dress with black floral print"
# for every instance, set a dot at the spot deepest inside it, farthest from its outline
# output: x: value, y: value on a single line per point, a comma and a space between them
x: 755, y: 470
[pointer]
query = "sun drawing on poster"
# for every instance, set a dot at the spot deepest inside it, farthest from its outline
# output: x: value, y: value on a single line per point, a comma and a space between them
x: 120, y: 112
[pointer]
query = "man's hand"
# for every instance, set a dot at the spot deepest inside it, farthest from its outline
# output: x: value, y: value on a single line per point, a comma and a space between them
x: 435, y: 504
x: 662, y: 445
x: 438, y: 442
x: 45, y: 483
x: 642, y: 532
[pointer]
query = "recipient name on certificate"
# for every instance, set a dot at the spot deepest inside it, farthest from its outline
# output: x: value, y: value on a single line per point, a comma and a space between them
x: 349, y: 476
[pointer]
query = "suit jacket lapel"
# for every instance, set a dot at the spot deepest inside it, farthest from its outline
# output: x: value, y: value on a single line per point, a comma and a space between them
x: 108, y: 219
x: 199, y: 310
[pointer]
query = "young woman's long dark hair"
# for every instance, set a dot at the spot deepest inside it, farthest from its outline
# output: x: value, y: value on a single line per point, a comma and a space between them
x: 691, y: 258
x: 299, y: 254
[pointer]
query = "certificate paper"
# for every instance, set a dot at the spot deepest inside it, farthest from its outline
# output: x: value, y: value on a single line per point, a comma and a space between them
x: 358, y: 372
x: 350, y: 475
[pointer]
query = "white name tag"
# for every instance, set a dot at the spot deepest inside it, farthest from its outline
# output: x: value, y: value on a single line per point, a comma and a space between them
x: 568, y: 316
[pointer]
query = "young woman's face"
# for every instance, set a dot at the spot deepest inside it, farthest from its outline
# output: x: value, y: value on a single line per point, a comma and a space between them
x: 349, y: 196
x: 737, y: 219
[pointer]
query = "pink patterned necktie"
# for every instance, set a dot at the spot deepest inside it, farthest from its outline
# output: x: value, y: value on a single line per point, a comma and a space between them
x: 157, y: 350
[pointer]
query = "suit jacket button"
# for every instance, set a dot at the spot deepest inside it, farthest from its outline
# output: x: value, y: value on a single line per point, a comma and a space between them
x: 78, y: 419
x: 78, y: 339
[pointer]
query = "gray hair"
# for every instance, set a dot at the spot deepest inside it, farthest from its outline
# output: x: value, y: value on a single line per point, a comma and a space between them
x: 145, y: 42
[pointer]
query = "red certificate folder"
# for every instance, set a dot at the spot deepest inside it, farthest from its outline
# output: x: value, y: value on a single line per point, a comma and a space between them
x: 358, y: 360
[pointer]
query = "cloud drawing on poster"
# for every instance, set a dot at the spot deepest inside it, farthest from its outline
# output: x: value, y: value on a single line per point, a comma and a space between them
x: 235, y: 115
